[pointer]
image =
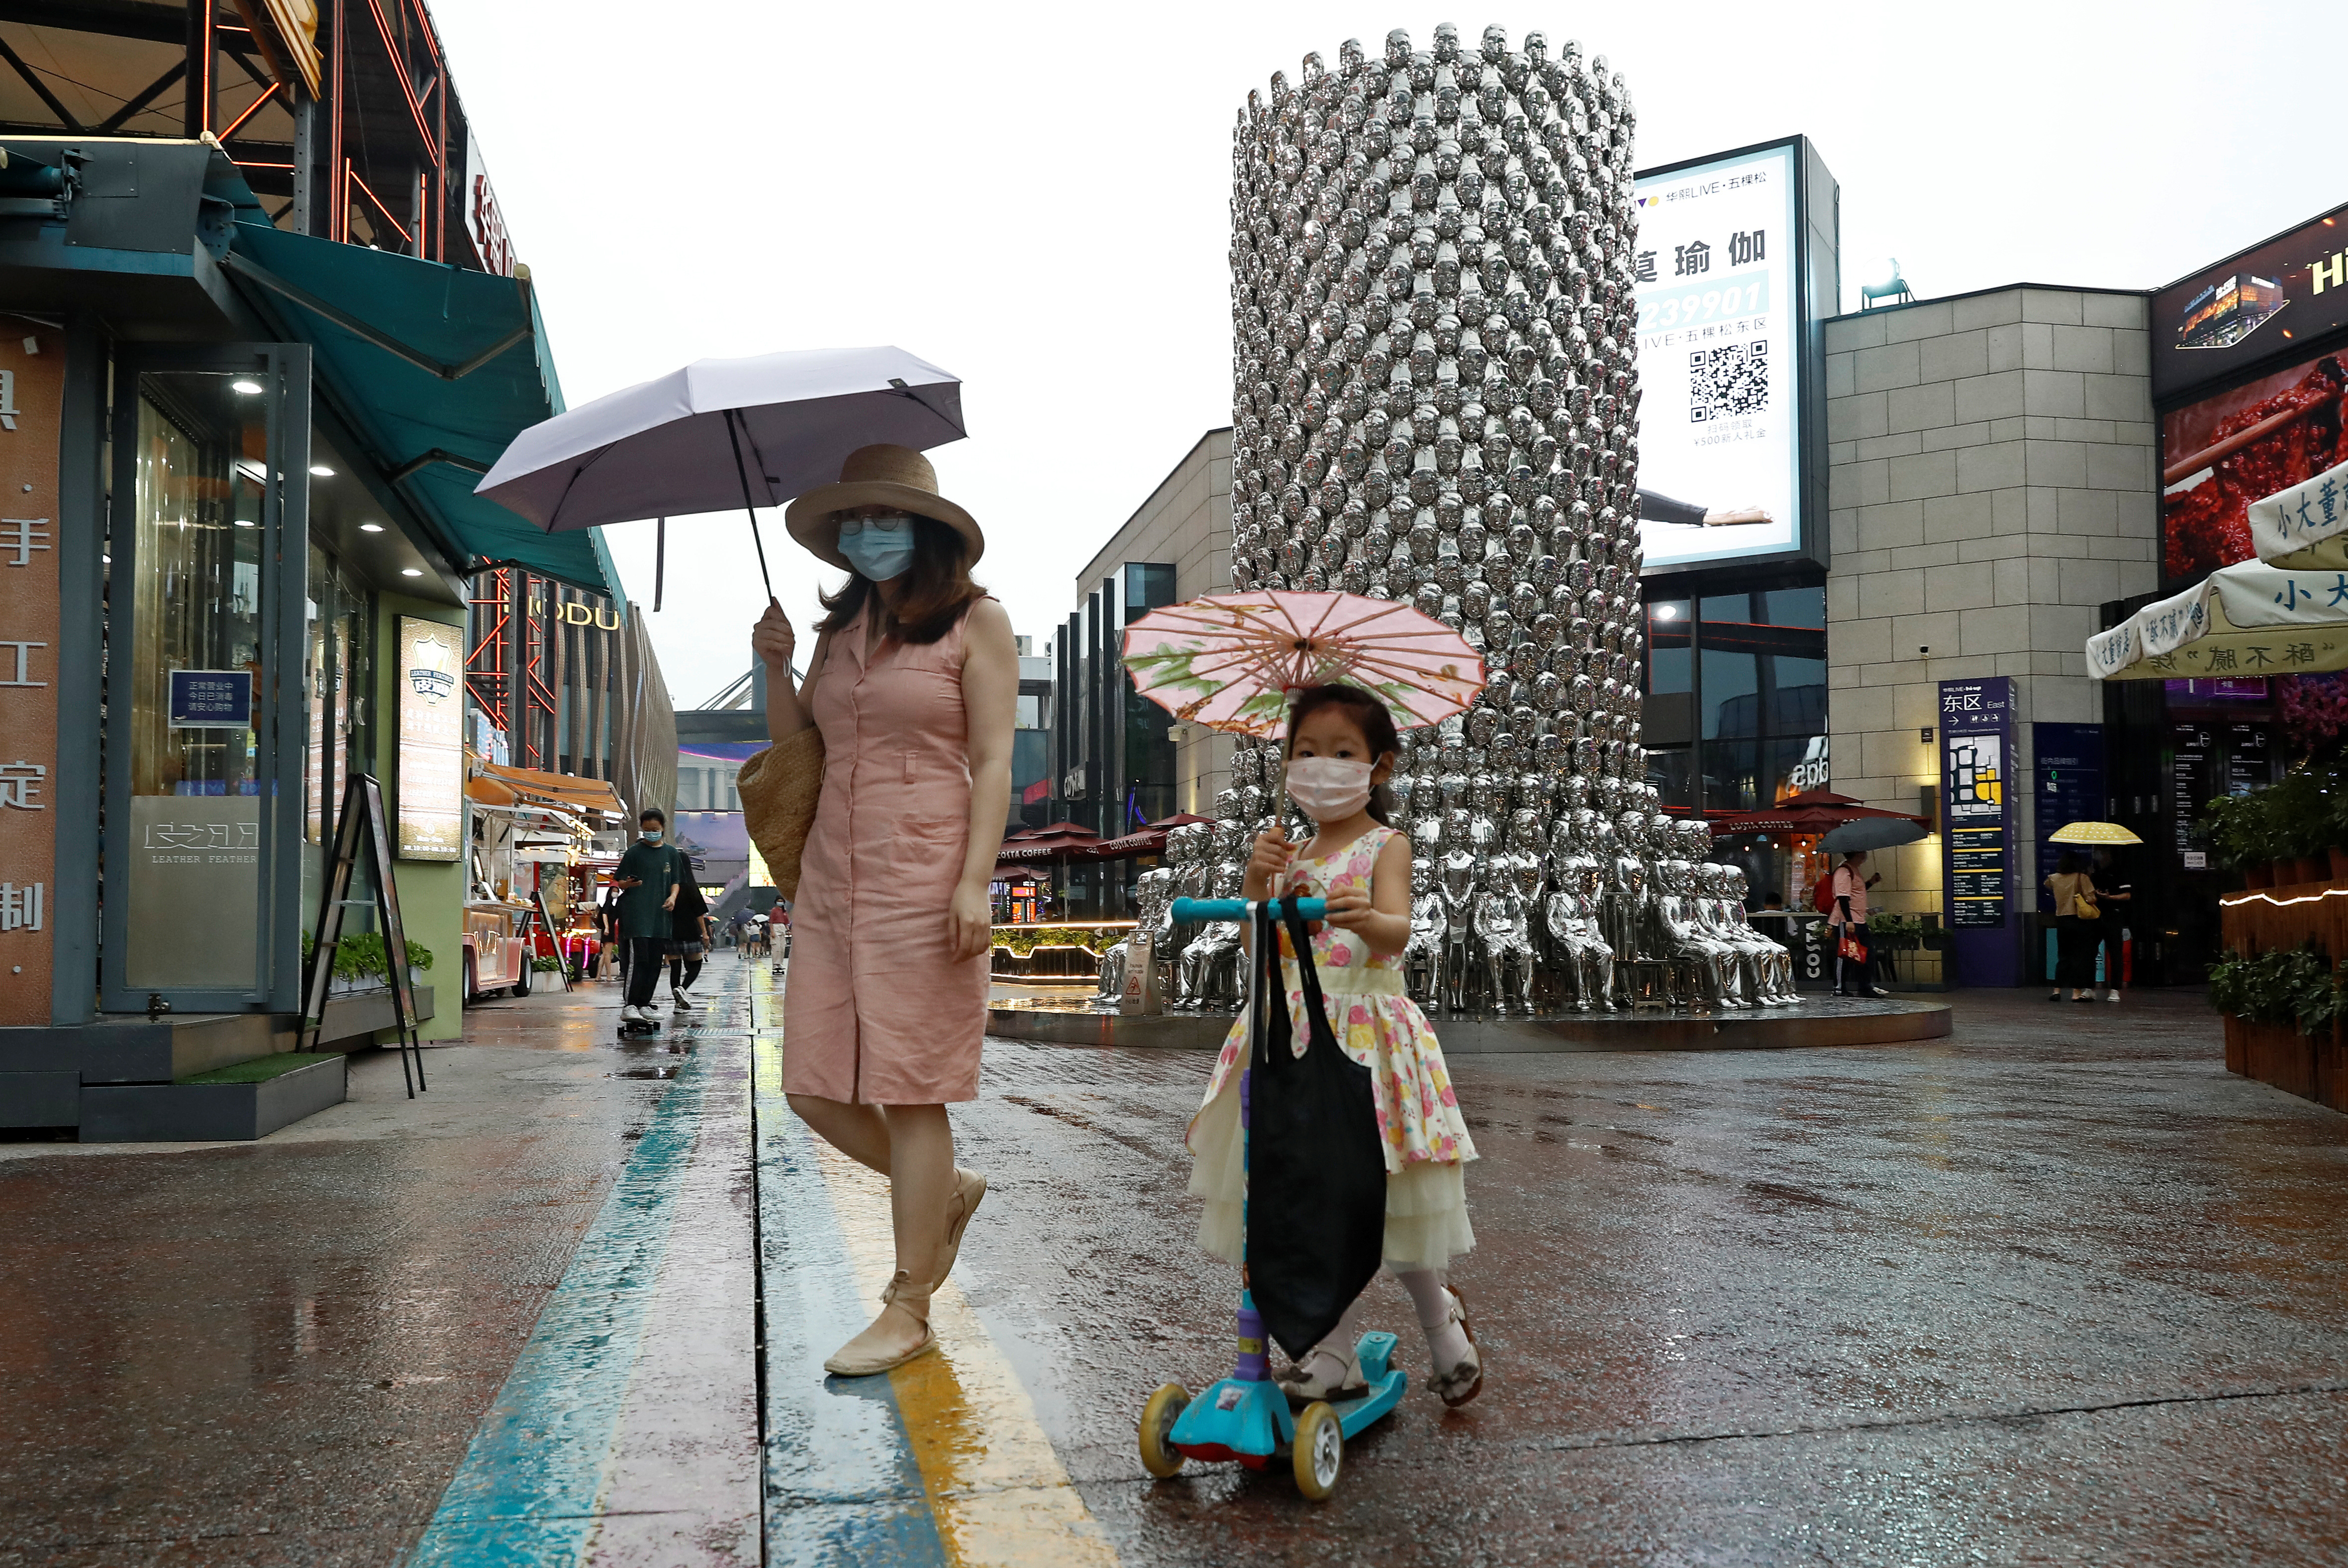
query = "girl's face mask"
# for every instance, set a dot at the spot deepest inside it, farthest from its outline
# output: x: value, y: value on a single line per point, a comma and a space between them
x: 880, y: 548
x: 1330, y: 788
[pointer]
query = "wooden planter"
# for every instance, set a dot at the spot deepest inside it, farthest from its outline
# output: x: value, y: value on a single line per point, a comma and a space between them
x: 2314, y: 1068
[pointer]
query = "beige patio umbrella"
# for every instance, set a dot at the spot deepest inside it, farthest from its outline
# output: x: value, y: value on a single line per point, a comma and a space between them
x: 2246, y: 619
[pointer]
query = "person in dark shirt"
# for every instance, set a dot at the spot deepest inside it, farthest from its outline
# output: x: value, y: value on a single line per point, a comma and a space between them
x: 647, y: 878
x: 2112, y: 894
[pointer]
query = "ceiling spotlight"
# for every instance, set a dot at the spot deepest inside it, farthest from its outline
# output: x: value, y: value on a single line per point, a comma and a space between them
x: 410, y: 571
x: 370, y: 528
x: 244, y: 385
x: 322, y: 470
x: 241, y: 523
x: 1667, y: 612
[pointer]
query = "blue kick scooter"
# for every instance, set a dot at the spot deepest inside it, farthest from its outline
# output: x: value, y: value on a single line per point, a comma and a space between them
x: 1245, y: 1416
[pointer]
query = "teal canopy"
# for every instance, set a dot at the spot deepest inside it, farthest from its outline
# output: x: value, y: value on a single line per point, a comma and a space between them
x: 437, y: 368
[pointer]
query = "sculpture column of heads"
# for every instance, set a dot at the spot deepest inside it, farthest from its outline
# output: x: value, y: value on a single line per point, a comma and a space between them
x: 1434, y: 390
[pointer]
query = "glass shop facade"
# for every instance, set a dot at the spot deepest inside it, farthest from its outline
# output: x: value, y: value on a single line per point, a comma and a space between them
x: 245, y: 580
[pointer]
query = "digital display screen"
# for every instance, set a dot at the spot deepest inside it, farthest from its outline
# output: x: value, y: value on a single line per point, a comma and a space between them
x: 1719, y: 297
x: 431, y: 740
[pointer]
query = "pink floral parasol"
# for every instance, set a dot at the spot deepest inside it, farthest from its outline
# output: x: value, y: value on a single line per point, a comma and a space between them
x: 1228, y: 660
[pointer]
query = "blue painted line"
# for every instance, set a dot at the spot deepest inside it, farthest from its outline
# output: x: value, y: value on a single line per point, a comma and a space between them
x: 527, y: 1491
x: 842, y: 1487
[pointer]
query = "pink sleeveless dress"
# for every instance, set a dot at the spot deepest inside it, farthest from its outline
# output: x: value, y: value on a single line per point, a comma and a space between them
x: 1377, y: 1025
x: 877, y: 1009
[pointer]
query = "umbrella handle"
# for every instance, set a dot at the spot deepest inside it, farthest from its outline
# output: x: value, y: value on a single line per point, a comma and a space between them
x: 732, y: 434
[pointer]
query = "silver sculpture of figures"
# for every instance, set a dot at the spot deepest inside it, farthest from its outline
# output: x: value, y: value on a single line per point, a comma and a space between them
x: 1434, y: 400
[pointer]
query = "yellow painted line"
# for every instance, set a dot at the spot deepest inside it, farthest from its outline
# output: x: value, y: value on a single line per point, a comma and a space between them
x: 997, y: 1488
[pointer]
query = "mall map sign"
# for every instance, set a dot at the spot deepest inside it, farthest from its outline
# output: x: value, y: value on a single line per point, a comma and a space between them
x: 1726, y: 268
x: 1977, y: 769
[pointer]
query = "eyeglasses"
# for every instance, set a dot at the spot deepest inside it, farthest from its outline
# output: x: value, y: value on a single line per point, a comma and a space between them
x: 850, y: 527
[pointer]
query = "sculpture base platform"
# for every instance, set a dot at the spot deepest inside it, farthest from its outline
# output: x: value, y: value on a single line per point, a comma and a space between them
x: 1816, y: 1021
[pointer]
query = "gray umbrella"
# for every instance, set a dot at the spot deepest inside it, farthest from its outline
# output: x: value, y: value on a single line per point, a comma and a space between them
x: 722, y: 433
x: 1873, y: 833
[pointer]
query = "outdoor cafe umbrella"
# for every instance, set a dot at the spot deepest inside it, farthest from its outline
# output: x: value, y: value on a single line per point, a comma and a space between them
x: 721, y: 432
x: 1229, y: 661
x: 2092, y: 834
x: 1811, y: 811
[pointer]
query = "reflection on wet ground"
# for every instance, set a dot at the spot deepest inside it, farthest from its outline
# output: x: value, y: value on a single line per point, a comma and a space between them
x: 2055, y: 1288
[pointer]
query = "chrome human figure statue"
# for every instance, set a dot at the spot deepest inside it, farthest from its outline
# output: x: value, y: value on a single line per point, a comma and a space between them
x: 1422, y: 957
x: 1626, y: 904
x: 1504, y: 932
x: 1212, y: 952
x: 1773, y: 965
x: 1457, y: 886
x: 1152, y: 896
x: 1577, y: 948
x: 1708, y: 965
x: 1703, y: 884
x: 1196, y: 876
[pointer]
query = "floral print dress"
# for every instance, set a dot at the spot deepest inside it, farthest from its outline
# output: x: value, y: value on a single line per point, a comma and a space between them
x: 1377, y: 1025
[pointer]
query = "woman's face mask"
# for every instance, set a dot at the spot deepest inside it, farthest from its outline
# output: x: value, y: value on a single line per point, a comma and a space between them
x: 1330, y: 788
x: 880, y: 548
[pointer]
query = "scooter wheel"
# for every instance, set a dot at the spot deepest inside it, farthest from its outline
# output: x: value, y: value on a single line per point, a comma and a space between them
x: 1319, y: 1451
x: 1158, y: 1418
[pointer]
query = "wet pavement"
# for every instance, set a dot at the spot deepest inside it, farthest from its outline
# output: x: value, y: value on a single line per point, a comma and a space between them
x: 2054, y: 1289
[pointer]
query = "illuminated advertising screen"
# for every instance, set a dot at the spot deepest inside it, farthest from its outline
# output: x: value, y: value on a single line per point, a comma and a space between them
x: 2232, y: 317
x: 431, y: 740
x: 2222, y: 453
x: 1719, y: 265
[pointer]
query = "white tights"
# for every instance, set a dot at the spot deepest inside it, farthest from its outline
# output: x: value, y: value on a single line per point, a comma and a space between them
x: 1446, y: 1344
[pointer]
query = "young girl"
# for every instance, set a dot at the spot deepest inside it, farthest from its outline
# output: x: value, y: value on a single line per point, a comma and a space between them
x: 1342, y: 745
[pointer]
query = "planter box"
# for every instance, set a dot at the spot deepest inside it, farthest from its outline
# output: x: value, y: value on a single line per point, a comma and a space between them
x: 259, y: 1097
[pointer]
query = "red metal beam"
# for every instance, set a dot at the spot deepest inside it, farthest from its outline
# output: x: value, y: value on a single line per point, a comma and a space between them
x: 254, y: 107
x: 406, y: 84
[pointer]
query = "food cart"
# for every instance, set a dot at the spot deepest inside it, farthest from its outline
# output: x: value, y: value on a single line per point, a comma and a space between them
x: 526, y: 832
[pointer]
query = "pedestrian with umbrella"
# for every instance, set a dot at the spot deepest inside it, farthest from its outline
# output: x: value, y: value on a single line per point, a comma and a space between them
x: 2112, y: 892
x: 1333, y: 672
x: 910, y: 695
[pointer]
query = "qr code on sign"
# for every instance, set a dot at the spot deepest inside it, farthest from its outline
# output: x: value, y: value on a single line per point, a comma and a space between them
x: 1725, y: 382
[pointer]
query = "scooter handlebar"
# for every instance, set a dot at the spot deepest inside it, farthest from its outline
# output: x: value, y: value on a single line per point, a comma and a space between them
x: 1186, y: 910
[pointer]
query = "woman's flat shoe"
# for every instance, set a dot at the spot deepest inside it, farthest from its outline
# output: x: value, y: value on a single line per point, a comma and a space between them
x: 1465, y: 1380
x: 970, y: 1189
x: 853, y: 1360
x: 1302, y: 1388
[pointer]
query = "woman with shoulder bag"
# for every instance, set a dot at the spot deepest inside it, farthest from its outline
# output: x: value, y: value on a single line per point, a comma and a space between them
x: 2076, y: 921
x: 913, y: 689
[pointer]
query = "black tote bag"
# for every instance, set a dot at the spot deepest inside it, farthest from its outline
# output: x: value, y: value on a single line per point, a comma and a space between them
x: 1316, y: 1209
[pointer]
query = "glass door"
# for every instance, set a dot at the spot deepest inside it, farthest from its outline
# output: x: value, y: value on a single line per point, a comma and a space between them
x: 205, y: 690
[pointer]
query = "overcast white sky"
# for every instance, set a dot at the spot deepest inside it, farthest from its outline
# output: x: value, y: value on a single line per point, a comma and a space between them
x: 1034, y: 197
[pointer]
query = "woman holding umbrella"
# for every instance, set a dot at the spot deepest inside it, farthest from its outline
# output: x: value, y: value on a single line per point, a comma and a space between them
x: 914, y: 687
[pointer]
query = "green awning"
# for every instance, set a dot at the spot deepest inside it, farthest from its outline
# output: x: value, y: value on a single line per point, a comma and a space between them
x: 439, y: 368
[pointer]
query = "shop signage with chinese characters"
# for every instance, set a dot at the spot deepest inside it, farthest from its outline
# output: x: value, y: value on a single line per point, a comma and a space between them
x: 1723, y: 348
x: 431, y: 740
x: 1977, y: 819
x: 32, y: 380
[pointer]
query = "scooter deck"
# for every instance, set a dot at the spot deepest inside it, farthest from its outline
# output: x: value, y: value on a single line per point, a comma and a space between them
x: 1251, y: 1422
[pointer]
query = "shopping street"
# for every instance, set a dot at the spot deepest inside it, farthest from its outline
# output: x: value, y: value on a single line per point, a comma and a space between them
x: 2055, y: 1288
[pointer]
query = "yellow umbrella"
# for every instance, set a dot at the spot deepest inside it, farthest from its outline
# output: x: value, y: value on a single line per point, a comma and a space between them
x: 2092, y: 834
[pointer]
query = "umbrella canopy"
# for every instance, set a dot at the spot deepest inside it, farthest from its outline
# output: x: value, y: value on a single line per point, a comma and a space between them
x: 2092, y: 834
x: 1228, y: 660
x: 2246, y: 619
x: 1148, y: 841
x: 1811, y: 811
x: 1873, y: 833
x: 722, y: 433
x: 1061, y: 841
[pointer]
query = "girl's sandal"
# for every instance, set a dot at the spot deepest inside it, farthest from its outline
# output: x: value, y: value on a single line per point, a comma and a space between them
x: 1465, y: 1380
x: 856, y: 1359
x: 1303, y: 1385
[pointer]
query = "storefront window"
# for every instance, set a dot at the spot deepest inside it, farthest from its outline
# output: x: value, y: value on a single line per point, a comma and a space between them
x: 1738, y: 680
x: 196, y: 681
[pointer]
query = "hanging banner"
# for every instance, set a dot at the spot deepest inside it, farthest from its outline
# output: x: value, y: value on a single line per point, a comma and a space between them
x: 32, y: 383
x: 1977, y: 819
x: 431, y: 740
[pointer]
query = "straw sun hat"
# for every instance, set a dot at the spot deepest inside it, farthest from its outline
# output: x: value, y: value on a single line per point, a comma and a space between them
x: 880, y: 475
